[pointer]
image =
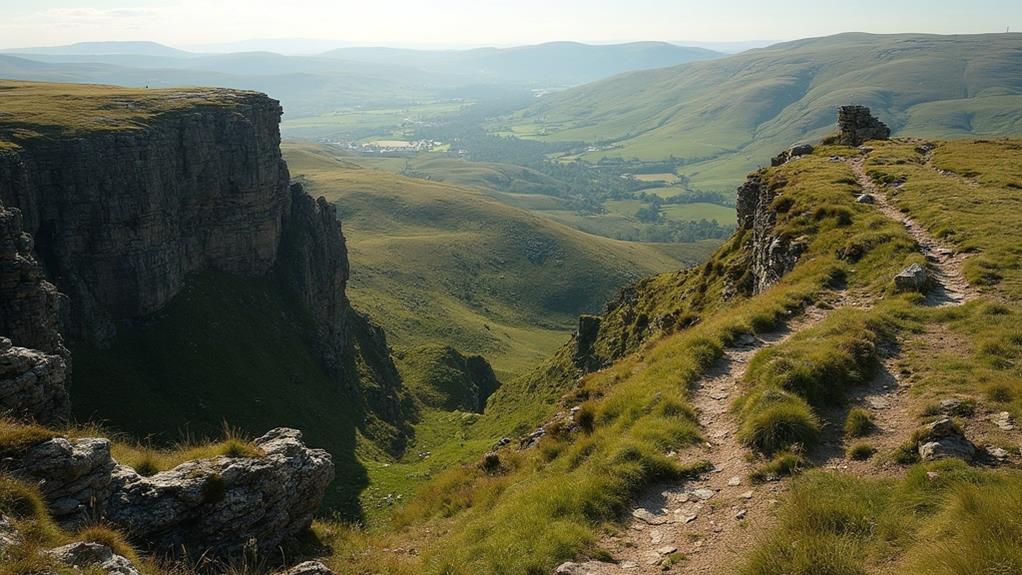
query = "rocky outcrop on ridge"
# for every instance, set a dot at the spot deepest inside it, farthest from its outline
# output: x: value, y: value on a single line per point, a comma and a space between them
x: 771, y: 255
x: 856, y: 125
x: 217, y: 505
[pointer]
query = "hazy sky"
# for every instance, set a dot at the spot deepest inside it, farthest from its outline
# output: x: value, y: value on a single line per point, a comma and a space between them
x: 486, y: 22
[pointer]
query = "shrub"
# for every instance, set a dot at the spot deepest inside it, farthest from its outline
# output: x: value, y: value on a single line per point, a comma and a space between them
x: 999, y: 392
x: 776, y: 420
x: 859, y: 423
x: 861, y: 451
x: 782, y: 465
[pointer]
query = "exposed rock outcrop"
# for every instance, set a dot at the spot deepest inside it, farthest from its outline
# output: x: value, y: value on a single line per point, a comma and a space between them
x: 222, y: 504
x: 217, y: 505
x: 33, y: 384
x: 857, y: 125
x: 913, y: 278
x: 771, y: 255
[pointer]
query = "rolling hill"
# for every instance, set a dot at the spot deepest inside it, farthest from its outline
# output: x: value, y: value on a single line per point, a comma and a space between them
x: 726, y: 116
x: 433, y: 262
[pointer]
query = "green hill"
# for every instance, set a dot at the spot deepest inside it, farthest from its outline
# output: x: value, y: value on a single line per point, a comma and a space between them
x: 432, y: 262
x: 724, y: 117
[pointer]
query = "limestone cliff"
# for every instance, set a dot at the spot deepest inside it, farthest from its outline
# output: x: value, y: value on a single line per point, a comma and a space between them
x: 121, y: 217
x: 33, y: 359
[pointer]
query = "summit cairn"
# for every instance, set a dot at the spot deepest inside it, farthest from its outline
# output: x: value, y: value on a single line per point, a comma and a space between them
x: 857, y: 125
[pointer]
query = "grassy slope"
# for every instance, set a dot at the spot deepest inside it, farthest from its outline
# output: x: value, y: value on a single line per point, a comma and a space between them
x: 937, y: 86
x: 436, y: 263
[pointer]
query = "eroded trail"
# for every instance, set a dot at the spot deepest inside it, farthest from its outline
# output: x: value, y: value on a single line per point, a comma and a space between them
x: 711, y: 521
x: 945, y: 263
x: 707, y: 520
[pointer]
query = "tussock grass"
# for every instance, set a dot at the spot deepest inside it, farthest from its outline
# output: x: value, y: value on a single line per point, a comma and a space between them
x: 859, y: 423
x: 958, y: 521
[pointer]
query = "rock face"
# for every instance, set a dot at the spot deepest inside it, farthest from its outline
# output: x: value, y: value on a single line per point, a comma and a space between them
x: 314, y: 264
x: 29, y: 304
x: 857, y: 125
x: 33, y: 384
x: 772, y: 255
x: 33, y: 375
x: 217, y: 505
x: 121, y: 218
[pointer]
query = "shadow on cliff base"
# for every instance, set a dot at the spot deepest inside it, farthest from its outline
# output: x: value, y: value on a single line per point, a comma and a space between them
x: 232, y: 350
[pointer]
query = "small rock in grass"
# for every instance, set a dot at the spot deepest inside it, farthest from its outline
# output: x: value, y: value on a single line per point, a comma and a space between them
x: 746, y: 495
x: 667, y: 549
x: 865, y: 199
x: 741, y: 514
x: 1003, y: 420
x: 734, y: 481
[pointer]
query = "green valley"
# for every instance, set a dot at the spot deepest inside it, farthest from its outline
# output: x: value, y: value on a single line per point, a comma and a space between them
x: 724, y: 117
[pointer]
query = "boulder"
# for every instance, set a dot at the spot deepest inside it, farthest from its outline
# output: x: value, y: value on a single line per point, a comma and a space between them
x: 90, y: 557
x: 219, y: 505
x: 943, y: 439
x: 912, y: 278
x: 791, y: 153
x: 73, y: 475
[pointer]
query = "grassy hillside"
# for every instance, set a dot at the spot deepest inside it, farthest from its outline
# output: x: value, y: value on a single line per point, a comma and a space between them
x: 727, y: 116
x: 434, y: 263
x: 874, y: 510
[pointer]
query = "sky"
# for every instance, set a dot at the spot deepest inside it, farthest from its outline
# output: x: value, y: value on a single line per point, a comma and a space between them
x: 449, y: 23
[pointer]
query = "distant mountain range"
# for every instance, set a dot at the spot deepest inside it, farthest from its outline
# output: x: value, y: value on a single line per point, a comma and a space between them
x: 312, y: 85
x: 726, y: 116
x: 555, y: 63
